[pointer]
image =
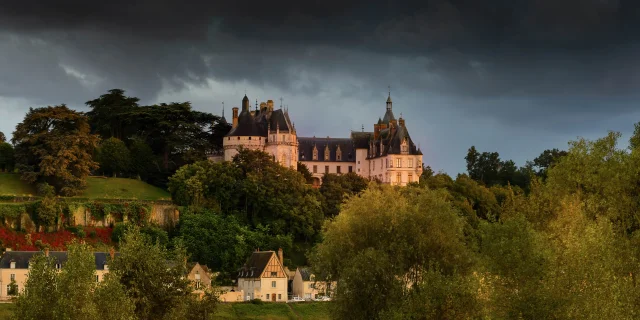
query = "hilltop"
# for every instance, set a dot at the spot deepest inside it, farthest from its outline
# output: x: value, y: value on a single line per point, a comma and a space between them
x: 97, y: 188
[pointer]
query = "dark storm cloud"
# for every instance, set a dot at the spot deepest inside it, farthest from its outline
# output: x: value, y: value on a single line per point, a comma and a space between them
x: 534, y: 63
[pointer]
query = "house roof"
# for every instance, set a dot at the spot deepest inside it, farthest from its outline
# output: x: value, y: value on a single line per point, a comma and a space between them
x: 22, y: 258
x: 256, y: 264
x: 305, y: 273
x: 306, y: 144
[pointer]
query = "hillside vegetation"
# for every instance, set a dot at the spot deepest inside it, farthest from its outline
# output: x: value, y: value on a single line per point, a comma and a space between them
x: 97, y: 188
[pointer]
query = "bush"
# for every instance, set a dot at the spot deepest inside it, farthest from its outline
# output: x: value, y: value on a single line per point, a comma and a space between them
x: 46, y: 190
x: 257, y: 301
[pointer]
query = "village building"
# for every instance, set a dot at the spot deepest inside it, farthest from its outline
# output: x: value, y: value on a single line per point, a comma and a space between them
x: 387, y: 154
x: 14, y: 268
x: 306, y: 286
x: 264, y: 277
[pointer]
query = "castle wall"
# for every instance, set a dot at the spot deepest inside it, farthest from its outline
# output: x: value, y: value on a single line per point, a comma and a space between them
x: 231, y: 145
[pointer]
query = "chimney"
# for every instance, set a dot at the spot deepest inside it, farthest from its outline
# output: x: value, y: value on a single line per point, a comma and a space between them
x: 263, y: 106
x: 112, y: 253
x: 270, y: 105
x: 46, y: 252
x: 235, y: 117
x: 280, y: 256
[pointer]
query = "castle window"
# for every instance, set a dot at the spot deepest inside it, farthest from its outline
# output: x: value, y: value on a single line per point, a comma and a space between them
x: 338, y: 170
x: 399, y: 178
x: 398, y: 163
x: 249, y: 138
x: 410, y: 163
x: 326, y: 169
x: 315, y: 169
x: 284, y: 138
x: 238, y: 138
x: 410, y: 177
x: 350, y: 169
x: 315, y: 153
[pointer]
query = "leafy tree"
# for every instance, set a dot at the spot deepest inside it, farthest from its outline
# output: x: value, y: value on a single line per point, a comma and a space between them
x: 39, y: 299
x: 113, y: 157
x: 48, y: 211
x: 304, y: 171
x: 385, y: 240
x: 335, y: 188
x: 222, y: 242
x: 143, y: 161
x: 486, y: 167
x: 547, y: 159
x: 109, y: 113
x: 7, y: 161
x: 76, y: 283
x: 3, y: 138
x: 54, y: 145
x: 111, y: 300
x: 12, y: 290
x: 153, y: 277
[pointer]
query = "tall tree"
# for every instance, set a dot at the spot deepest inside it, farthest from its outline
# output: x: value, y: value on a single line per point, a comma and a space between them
x: 335, y: 188
x: 109, y: 113
x: 3, y: 138
x: 114, y: 157
x: 152, y: 276
x: 546, y: 160
x: 54, y: 145
x: 7, y: 160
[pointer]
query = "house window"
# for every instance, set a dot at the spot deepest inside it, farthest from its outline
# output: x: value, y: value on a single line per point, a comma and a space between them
x: 13, y: 277
x: 338, y: 154
x: 315, y: 169
x: 358, y: 169
x: 399, y: 177
x: 274, y: 274
x: 398, y: 163
x: 58, y: 266
x: 326, y: 169
x: 273, y: 284
x: 410, y: 177
x: 279, y: 296
x: 198, y: 284
x: 13, y: 265
x: 249, y: 138
x: 374, y: 165
x: 350, y: 169
x: 410, y: 163
x: 267, y: 296
x: 338, y: 169
x: 358, y: 162
x: 97, y: 278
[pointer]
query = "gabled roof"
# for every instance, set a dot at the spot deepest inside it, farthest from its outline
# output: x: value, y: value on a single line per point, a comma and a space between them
x: 256, y: 264
x: 305, y: 274
x: 22, y: 258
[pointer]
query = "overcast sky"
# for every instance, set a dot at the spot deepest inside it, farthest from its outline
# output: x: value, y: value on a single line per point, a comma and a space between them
x: 512, y: 76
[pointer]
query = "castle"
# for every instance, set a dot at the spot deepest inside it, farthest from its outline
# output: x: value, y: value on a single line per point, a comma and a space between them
x: 387, y: 154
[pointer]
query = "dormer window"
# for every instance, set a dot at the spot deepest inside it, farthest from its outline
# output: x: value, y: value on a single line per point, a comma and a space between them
x: 106, y: 266
x: 13, y: 265
x: 404, y: 147
x: 315, y: 153
x: 338, y: 154
x: 326, y: 153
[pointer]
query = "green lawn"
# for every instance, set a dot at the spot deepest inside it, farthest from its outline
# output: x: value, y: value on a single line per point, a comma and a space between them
x: 247, y: 311
x: 97, y: 188
x: 273, y: 311
x: 6, y: 309
x: 10, y: 184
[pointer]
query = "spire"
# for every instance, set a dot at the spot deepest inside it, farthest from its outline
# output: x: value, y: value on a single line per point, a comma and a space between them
x: 363, y: 128
x: 389, y: 103
x: 245, y: 103
x: 256, y: 104
x: 223, y: 109
x: 281, y: 102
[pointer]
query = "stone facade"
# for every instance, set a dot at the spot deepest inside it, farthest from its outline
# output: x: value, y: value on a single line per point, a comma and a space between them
x: 387, y: 153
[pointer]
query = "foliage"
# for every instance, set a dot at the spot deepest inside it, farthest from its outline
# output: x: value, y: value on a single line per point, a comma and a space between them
x: 256, y: 189
x: 112, y: 301
x: 156, y: 286
x: 369, y: 248
x: 3, y: 138
x: 335, y: 188
x: 304, y: 171
x: 45, y: 190
x: 487, y: 168
x: 114, y: 157
x: 135, y: 211
x: 54, y: 240
x: 108, y: 114
x: 12, y: 290
x: 222, y: 242
x: 47, y: 212
x: 39, y: 299
x: 7, y: 161
x: 54, y: 145
x: 143, y: 161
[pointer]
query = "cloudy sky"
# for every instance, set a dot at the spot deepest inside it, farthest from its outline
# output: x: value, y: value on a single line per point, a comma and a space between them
x: 513, y: 76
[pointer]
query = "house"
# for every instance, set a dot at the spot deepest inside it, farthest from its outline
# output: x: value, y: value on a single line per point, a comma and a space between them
x: 14, y: 268
x: 199, y: 276
x: 306, y: 286
x: 263, y: 277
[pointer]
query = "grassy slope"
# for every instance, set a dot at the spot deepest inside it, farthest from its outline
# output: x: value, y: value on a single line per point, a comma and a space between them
x: 97, y: 188
x: 6, y: 310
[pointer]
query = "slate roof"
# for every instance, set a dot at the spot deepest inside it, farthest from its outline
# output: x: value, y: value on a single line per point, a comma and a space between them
x: 258, y: 123
x: 361, y: 139
x: 306, y: 144
x: 305, y: 273
x: 22, y: 258
x: 256, y: 264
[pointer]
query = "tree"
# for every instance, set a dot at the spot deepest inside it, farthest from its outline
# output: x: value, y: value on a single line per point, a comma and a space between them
x: 546, y: 160
x: 335, y: 188
x: 109, y: 113
x: 385, y: 241
x: 3, y: 138
x: 7, y: 161
x: 54, y: 145
x: 113, y: 157
x: 304, y: 171
x: 39, y: 300
x: 153, y: 277
x: 112, y: 301
x: 143, y: 161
